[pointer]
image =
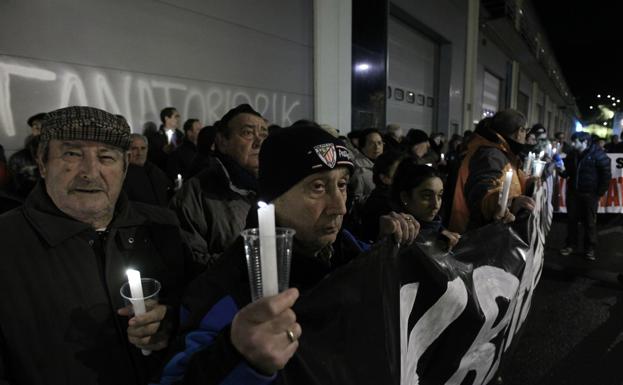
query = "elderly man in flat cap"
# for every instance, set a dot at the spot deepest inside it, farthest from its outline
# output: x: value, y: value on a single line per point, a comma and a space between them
x: 304, y: 171
x: 64, y: 257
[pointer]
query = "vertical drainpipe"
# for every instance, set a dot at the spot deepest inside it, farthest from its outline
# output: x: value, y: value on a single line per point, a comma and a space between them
x: 471, y: 60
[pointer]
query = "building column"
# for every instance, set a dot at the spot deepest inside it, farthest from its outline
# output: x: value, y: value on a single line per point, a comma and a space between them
x: 534, y: 97
x: 514, y: 85
x: 471, y: 61
x: 332, y: 63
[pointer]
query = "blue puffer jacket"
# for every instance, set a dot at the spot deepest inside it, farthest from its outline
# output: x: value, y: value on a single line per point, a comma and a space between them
x: 588, y: 172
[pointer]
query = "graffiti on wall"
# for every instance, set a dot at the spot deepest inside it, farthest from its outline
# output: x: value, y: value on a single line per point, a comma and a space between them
x: 28, y: 87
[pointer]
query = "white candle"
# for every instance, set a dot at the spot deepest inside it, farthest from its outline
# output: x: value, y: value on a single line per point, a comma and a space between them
x: 527, y: 167
x: 169, y: 135
x: 178, y: 181
x: 268, y: 248
x: 136, y: 291
x: 503, y: 200
x: 442, y: 157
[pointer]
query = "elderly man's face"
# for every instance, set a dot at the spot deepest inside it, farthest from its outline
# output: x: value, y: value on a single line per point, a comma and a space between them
x: 246, y: 134
x: 315, y: 207
x: 84, y: 179
x: 138, y: 152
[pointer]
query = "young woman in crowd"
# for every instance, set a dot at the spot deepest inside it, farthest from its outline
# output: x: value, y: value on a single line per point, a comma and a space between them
x: 418, y: 190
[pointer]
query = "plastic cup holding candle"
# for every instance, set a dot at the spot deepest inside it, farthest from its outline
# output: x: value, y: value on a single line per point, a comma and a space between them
x: 140, y: 293
x: 282, y: 240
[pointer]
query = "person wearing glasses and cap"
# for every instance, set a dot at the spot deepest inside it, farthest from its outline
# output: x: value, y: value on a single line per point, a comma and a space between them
x: 304, y: 171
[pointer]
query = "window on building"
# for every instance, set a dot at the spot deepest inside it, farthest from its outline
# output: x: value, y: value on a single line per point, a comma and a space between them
x: 491, y: 94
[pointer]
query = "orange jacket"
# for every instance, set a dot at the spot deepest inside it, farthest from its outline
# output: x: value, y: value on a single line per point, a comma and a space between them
x: 460, y: 216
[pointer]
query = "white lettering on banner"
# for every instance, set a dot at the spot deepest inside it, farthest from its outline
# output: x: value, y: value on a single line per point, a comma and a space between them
x: 138, y: 97
x: 428, y: 328
x: 490, y: 283
x: 6, y: 71
x: 612, y: 201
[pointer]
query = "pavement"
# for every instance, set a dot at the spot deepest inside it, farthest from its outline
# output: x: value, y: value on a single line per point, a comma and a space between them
x: 574, y: 331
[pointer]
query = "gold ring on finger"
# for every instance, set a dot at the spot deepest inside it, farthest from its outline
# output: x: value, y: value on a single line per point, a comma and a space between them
x: 291, y: 336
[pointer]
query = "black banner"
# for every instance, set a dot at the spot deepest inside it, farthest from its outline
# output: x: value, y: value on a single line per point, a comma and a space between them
x: 421, y: 315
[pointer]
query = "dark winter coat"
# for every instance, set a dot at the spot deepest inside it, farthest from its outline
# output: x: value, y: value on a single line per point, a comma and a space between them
x: 589, y: 171
x: 147, y: 184
x: 61, y: 281
x: 212, y: 208
x: 181, y: 159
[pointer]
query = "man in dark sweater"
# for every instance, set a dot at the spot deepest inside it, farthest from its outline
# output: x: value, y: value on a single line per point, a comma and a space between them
x: 144, y: 182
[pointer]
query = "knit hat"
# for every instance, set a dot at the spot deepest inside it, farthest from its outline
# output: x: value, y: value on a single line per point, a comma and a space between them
x: 415, y: 136
x: 86, y: 123
x: 294, y: 153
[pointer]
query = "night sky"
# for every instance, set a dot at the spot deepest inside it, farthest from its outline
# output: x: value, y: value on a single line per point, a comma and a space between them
x: 587, y: 40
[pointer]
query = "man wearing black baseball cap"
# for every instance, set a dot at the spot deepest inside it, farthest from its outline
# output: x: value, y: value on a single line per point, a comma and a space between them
x: 304, y: 171
x: 64, y: 257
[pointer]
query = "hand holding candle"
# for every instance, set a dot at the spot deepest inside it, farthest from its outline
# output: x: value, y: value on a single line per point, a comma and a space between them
x: 133, y: 293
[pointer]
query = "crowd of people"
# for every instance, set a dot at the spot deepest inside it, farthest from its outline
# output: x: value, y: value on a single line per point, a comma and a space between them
x: 86, y: 198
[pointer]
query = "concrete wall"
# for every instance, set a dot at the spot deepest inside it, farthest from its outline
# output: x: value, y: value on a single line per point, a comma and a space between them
x: 136, y: 57
x: 447, y: 19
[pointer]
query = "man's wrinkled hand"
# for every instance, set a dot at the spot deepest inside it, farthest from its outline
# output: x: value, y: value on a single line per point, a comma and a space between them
x: 143, y: 330
x: 266, y: 333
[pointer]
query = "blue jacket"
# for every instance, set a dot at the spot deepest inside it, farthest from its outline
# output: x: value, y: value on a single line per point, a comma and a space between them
x: 588, y: 172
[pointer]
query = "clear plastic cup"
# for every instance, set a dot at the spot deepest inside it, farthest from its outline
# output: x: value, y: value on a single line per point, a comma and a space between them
x: 537, y: 168
x: 151, y: 290
x: 252, y: 242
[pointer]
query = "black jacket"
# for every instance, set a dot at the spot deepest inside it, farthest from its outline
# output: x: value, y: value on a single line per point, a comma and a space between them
x: 158, y: 143
x: 377, y: 205
x: 147, y: 184
x: 589, y: 171
x: 61, y: 280
x: 181, y: 160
